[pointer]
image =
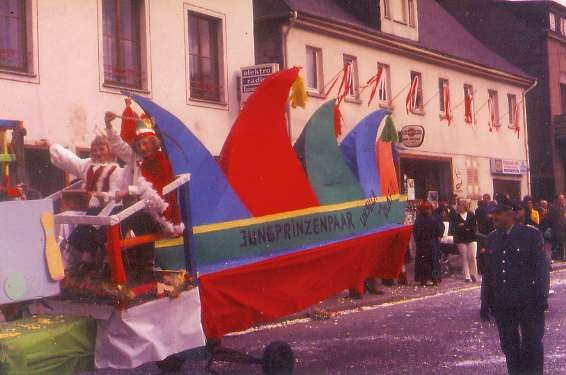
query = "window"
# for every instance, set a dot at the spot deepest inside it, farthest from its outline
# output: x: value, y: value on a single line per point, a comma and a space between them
x: 386, y: 9
x: 563, y: 26
x: 511, y: 103
x: 419, y: 99
x: 205, y: 46
x: 412, y: 15
x: 552, y: 21
x: 122, y: 48
x: 441, y: 83
x: 494, y: 115
x: 13, y: 35
x: 469, y: 107
x: 354, y: 84
x: 384, y: 88
x: 314, y: 69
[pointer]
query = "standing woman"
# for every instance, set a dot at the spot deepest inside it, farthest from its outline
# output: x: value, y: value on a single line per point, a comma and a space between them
x: 427, y: 232
x: 465, y: 226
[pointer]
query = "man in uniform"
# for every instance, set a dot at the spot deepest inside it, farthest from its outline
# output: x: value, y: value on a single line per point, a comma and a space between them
x: 515, y: 290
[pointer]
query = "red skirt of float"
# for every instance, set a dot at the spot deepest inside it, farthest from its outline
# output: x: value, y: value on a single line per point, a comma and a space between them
x: 242, y: 297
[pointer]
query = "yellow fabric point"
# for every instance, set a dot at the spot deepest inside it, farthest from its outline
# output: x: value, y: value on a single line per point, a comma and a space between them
x: 298, y: 93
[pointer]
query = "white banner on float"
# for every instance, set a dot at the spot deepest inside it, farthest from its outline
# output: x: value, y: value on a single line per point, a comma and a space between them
x: 149, y: 332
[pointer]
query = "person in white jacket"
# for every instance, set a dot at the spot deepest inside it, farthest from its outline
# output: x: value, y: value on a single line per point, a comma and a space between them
x: 102, y: 177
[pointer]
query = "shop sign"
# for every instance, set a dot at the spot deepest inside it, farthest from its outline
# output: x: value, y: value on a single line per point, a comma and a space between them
x: 252, y: 77
x: 510, y: 167
x: 412, y: 136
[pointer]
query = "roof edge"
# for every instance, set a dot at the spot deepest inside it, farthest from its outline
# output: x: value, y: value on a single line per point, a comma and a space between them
x: 366, y: 35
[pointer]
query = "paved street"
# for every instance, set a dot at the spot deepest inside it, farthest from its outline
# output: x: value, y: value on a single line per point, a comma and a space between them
x: 432, y: 334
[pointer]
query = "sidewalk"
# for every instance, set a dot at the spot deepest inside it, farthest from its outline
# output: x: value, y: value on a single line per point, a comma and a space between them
x: 396, y: 293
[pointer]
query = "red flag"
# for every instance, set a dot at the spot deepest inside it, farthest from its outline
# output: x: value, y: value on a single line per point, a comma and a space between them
x: 128, y: 127
x: 375, y: 81
x: 469, y: 109
x: 516, y: 119
x: 411, y: 100
x: 492, y: 120
x: 446, y: 98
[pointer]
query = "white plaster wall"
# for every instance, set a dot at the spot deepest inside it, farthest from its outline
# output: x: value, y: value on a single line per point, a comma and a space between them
x: 456, y: 142
x: 68, y: 102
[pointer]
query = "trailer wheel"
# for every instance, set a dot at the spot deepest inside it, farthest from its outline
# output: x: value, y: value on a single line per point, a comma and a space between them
x: 278, y: 359
x: 172, y: 363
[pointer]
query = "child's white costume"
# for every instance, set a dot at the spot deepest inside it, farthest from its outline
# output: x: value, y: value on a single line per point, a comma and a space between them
x: 105, y: 178
x: 156, y: 205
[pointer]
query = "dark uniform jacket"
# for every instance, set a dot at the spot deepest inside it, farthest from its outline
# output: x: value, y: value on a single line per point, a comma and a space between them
x: 517, y: 271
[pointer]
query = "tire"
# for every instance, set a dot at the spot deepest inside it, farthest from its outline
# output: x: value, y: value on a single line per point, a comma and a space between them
x: 278, y: 359
x: 172, y: 363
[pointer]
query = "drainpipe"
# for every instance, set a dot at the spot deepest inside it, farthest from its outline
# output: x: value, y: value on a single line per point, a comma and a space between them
x: 527, y: 134
x: 285, y: 29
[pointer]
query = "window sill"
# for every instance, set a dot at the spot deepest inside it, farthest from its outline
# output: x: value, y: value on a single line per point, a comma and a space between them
x: 352, y: 100
x: 15, y: 75
x: 418, y: 112
x: 315, y: 94
x: 386, y: 105
x: 207, y: 104
x: 118, y: 89
x: 404, y: 23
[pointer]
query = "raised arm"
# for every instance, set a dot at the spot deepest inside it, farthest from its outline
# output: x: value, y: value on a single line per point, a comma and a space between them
x: 118, y: 146
x: 67, y: 160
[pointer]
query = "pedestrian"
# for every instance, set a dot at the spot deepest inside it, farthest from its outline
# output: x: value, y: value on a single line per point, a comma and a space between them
x: 558, y: 226
x: 515, y: 291
x: 427, y: 232
x: 484, y: 218
x: 464, y: 223
x: 531, y: 214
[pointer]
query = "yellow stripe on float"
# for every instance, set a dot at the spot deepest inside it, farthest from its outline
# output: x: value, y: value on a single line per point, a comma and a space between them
x: 290, y: 214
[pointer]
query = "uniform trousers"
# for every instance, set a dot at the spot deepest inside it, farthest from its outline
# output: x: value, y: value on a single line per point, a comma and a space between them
x: 520, y: 333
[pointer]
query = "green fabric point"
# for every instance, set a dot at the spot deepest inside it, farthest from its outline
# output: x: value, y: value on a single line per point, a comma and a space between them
x: 389, y: 133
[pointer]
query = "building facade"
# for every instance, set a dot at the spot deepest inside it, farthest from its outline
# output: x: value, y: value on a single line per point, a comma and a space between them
x: 63, y: 63
x: 409, y: 38
x: 532, y: 35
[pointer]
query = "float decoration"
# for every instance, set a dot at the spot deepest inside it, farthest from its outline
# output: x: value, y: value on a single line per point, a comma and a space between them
x: 323, y: 161
x: 257, y: 157
x: 358, y: 148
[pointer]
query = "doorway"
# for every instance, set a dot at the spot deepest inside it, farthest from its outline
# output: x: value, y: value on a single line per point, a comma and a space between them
x: 429, y: 175
x: 511, y: 187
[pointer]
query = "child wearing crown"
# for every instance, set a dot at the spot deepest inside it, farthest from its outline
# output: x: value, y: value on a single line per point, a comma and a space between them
x: 150, y: 172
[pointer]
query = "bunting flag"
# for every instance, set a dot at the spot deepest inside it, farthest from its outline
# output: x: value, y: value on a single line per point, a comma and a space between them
x: 376, y: 82
x: 411, y: 100
x: 492, y: 116
x: 469, y: 109
x: 343, y: 91
x: 516, y: 119
x: 447, y: 110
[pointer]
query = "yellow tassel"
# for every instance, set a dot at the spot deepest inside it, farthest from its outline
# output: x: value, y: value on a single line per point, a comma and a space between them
x: 298, y: 93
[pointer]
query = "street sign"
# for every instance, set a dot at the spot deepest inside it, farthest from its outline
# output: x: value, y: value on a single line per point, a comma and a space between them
x: 251, y: 77
x: 412, y: 135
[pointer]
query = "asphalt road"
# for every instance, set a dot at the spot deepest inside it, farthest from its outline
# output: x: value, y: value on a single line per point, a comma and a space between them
x: 439, y: 334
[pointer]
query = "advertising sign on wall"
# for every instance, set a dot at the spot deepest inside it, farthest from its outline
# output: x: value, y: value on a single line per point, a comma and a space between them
x: 412, y: 136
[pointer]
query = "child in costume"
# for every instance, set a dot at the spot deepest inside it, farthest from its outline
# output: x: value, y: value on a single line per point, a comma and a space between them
x: 102, y: 177
x: 148, y: 171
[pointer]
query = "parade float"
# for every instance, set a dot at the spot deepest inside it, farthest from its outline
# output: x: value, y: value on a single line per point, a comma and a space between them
x: 271, y: 229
